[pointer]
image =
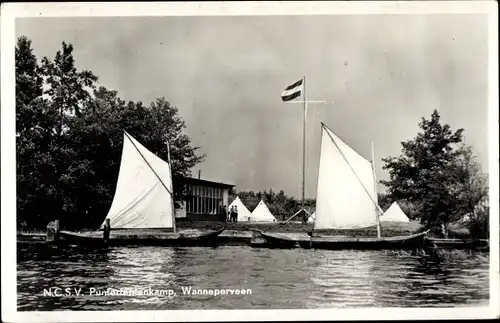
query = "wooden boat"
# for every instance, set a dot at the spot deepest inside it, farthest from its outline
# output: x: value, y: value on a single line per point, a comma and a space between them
x: 346, y: 200
x: 138, y: 238
x: 142, y: 211
x: 284, y: 240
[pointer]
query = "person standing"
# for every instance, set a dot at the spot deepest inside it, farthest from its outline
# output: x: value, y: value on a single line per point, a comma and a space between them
x: 235, y: 213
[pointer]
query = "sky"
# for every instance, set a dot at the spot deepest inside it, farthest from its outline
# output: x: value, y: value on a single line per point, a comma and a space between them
x: 226, y: 74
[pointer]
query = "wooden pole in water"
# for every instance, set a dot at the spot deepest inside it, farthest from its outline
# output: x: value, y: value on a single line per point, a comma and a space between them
x: 57, y: 228
x: 52, y: 231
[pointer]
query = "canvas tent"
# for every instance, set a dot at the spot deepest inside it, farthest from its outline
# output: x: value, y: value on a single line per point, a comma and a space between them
x: 394, y: 214
x: 243, y: 213
x: 262, y: 214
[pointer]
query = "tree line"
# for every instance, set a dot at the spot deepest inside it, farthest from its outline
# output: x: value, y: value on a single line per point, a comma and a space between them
x: 439, y: 180
x: 69, y: 137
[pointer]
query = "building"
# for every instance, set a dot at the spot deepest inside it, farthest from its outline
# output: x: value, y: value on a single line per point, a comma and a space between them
x: 208, y: 199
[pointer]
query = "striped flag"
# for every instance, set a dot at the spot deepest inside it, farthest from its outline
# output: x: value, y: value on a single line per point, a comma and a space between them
x: 292, y: 91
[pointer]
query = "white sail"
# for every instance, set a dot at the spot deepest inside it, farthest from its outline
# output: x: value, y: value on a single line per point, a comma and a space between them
x: 143, y: 196
x: 394, y: 214
x: 345, y: 194
x: 262, y: 214
x: 243, y: 213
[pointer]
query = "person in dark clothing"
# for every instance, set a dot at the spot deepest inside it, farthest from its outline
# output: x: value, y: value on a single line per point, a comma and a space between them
x: 231, y: 214
x: 235, y: 213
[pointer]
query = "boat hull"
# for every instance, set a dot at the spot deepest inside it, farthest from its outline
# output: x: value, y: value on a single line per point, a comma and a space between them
x: 141, y: 238
x: 276, y: 240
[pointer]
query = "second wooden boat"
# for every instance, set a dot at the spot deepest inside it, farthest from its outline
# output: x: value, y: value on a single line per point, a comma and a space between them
x: 346, y: 200
x: 284, y: 240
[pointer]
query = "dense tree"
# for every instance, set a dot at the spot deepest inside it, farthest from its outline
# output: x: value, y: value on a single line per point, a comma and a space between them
x: 32, y: 123
x: 29, y: 84
x: 472, y: 188
x: 425, y: 174
x: 70, y: 136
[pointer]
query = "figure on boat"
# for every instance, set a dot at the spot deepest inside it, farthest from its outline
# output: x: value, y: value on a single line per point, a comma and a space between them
x: 142, y: 211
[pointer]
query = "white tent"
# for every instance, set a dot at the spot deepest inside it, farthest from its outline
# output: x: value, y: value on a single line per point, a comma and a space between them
x: 394, y: 214
x: 243, y: 213
x: 311, y: 218
x: 262, y: 214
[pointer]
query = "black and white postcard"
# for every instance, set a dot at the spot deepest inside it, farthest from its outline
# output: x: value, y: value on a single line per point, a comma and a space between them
x: 249, y: 161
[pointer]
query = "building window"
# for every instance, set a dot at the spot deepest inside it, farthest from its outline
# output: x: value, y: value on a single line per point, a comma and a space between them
x: 205, y: 199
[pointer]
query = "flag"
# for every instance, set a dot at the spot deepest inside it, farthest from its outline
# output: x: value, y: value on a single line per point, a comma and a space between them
x: 292, y: 91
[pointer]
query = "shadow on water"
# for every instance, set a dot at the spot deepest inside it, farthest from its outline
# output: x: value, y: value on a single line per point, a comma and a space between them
x: 278, y: 279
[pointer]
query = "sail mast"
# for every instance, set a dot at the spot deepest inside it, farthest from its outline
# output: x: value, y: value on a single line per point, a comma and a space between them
x: 375, y: 188
x: 304, y: 146
x: 173, y: 201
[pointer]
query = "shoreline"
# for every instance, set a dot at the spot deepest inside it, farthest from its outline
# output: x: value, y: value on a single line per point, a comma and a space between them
x: 243, y: 233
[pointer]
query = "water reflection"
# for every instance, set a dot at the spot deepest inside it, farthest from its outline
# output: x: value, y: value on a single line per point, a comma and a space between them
x: 72, y: 267
x: 278, y: 279
x: 425, y: 280
x: 343, y: 279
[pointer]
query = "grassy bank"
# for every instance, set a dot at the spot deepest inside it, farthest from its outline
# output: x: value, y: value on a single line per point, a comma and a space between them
x: 389, y: 229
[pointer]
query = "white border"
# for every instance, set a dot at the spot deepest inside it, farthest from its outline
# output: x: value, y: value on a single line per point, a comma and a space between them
x: 10, y: 11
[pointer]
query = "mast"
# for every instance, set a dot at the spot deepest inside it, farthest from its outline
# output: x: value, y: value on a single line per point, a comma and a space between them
x: 288, y: 97
x: 304, y: 147
x: 377, y: 214
x: 172, y: 195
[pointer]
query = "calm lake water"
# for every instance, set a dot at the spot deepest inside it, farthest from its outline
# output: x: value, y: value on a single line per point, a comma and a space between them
x: 278, y: 279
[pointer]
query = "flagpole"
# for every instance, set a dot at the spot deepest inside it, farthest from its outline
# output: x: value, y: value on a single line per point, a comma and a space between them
x: 304, y: 102
x: 377, y: 214
x: 304, y: 146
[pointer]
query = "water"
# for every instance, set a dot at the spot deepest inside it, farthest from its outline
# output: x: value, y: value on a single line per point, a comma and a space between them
x: 278, y: 279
